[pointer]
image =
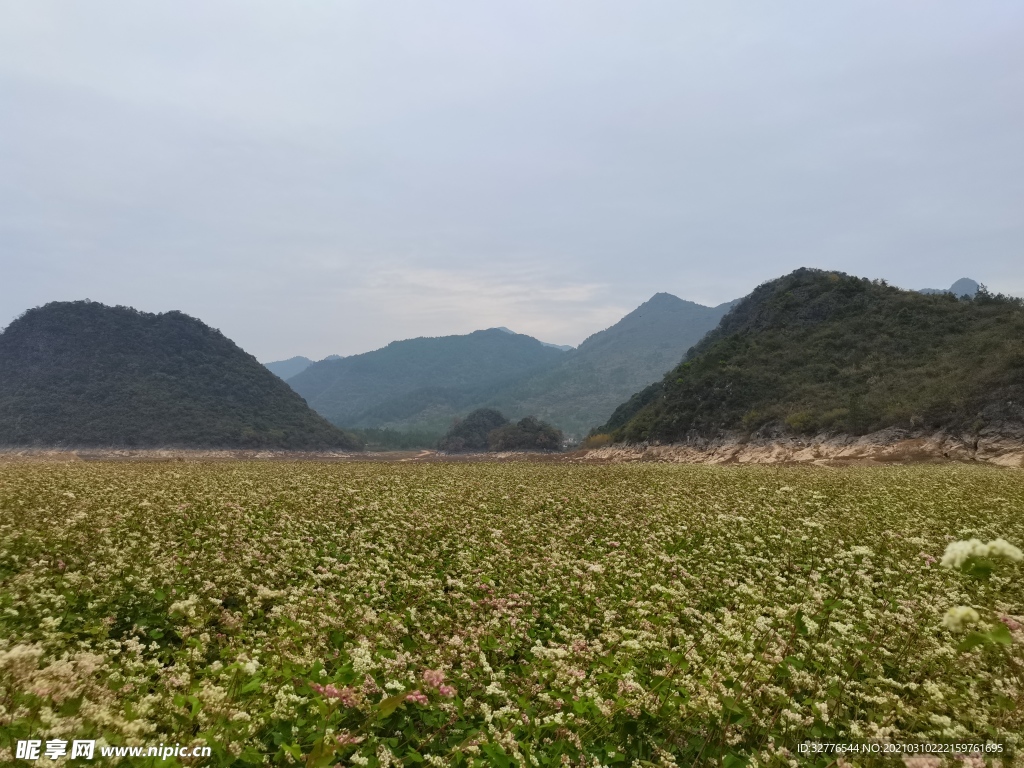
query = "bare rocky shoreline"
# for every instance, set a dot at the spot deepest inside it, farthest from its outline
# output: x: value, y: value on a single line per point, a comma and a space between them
x: 999, y: 446
x: 1002, y: 446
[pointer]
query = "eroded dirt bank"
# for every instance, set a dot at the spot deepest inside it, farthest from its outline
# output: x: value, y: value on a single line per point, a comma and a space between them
x: 1002, y: 447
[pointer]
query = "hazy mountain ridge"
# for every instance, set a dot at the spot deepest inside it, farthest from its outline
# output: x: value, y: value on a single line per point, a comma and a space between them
x: 592, y: 380
x: 386, y: 386
x: 285, y: 369
x: 965, y: 286
x: 562, y: 347
x: 573, y: 389
x: 85, y: 374
x: 819, y: 351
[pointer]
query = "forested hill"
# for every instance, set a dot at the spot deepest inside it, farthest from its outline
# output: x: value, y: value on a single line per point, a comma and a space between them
x: 428, y: 379
x: 822, y: 351
x: 84, y: 374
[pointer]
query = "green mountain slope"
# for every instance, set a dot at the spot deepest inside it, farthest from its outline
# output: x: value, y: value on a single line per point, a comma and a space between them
x: 84, y: 374
x: 590, y: 381
x: 421, y: 383
x: 822, y: 351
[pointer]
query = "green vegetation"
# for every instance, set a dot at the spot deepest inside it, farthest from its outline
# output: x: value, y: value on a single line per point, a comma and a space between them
x: 84, y: 374
x: 486, y: 429
x: 472, y: 433
x: 822, y: 351
x: 510, y: 614
x: 597, y: 440
x: 529, y: 434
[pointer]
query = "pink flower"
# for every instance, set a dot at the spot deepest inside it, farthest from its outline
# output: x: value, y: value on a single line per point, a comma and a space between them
x: 345, y: 738
x: 446, y: 690
x: 416, y: 697
x: 346, y: 696
x: 370, y: 685
x: 1010, y: 623
x: 433, y: 677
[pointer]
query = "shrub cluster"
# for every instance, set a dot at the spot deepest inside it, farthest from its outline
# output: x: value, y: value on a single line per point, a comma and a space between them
x: 486, y: 429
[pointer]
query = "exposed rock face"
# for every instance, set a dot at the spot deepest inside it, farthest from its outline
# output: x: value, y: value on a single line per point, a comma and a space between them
x: 1000, y: 444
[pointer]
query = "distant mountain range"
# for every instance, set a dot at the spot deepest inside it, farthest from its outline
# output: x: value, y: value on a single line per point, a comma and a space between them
x: 818, y: 351
x: 810, y: 351
x: 563, y: 347
x: 420, y: 382
x: 574, y: 391
x: 962, y: 287
x: 293, y: 366
x: 84, y: 374
x: 587, y: 384
x: 423, y: 384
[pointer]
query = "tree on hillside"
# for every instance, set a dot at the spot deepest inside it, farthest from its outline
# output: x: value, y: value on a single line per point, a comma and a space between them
x: 470, y: 434
x: 529, y: 434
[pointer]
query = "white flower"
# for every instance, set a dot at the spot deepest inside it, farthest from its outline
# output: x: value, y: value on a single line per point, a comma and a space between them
x: 1002, y: 548
x: 956, y: 618
x: 958, y: 552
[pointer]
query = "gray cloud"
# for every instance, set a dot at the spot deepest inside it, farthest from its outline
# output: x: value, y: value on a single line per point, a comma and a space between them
x: 328, y: 177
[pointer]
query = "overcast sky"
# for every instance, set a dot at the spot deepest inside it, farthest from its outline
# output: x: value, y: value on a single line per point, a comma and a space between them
x: 325, y: 177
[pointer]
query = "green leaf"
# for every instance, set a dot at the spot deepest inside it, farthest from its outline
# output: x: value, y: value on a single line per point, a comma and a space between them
x: 734, y: 761
x: 1004, y: 702
x: 977, y: 567
x: 390, y: 704
x: 252, y: 685
x: 731, y: 705
x: 973, y: 640
x: 251, y: 756
x: 1001, y: 635
x: 496, y: 753
x: 801, y: 628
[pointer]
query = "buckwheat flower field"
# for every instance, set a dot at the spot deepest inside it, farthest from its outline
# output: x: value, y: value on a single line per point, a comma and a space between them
x: 522, y: 614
